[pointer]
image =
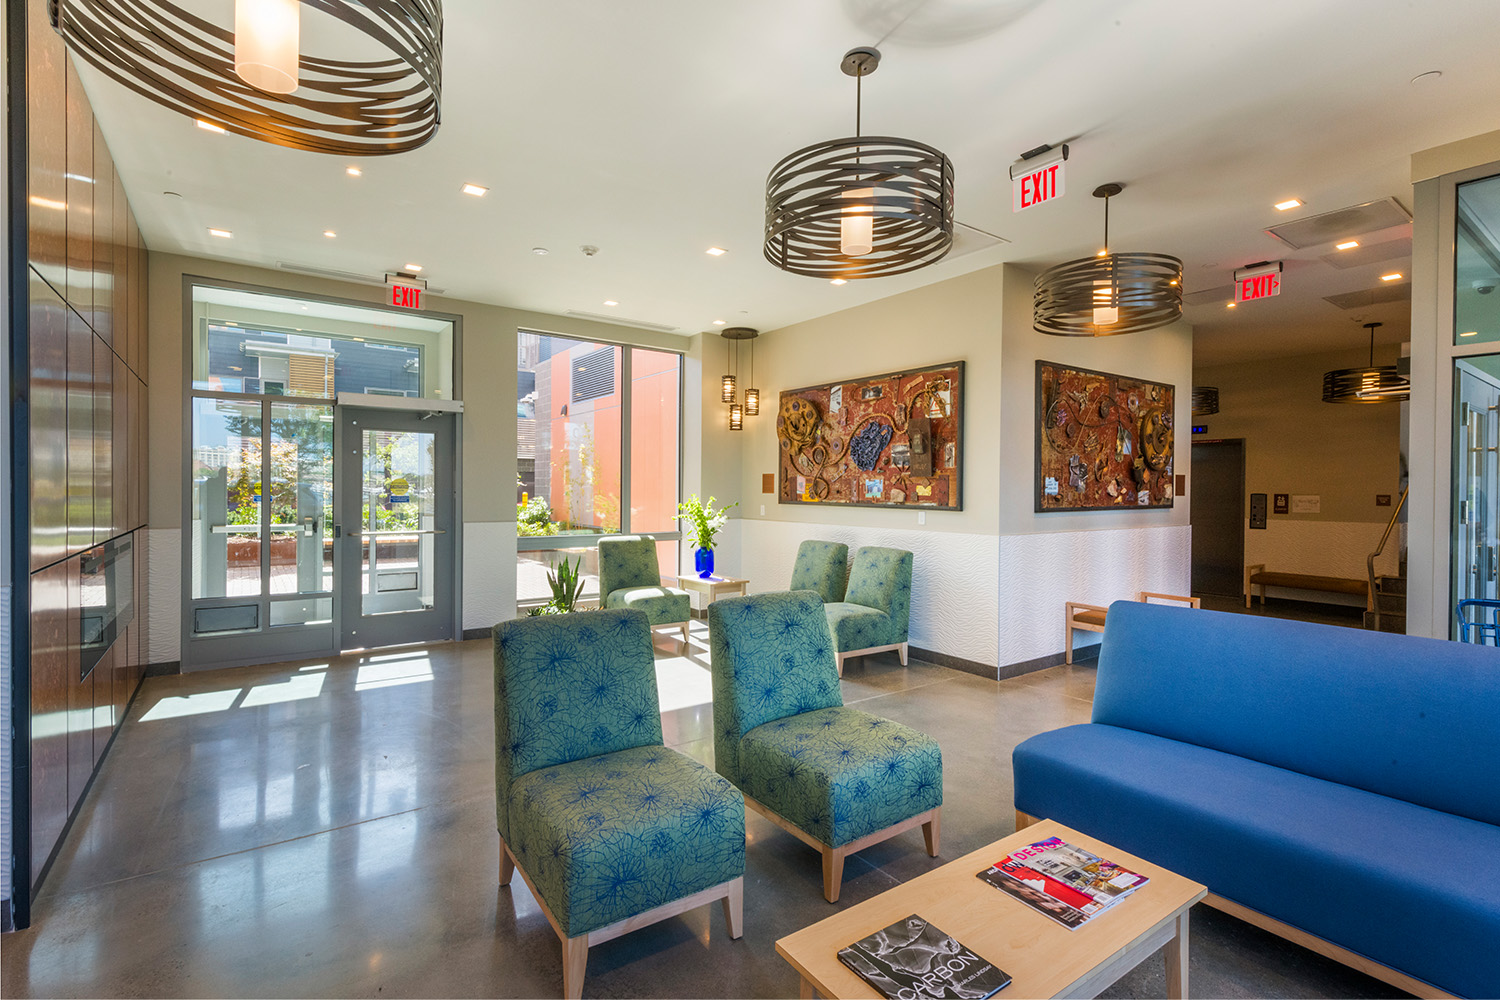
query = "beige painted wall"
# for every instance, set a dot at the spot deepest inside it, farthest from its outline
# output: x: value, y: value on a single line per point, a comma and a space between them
x: 1297, y: 444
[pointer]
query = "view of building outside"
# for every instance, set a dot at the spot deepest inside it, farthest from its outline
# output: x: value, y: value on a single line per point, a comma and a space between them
x: 569, y: 447
x: 265, y: 362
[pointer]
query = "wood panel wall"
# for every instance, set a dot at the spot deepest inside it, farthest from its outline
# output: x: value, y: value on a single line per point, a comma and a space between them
x: 87, y: 328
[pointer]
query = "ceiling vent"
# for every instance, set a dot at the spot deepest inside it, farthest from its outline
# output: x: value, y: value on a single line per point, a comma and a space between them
x: 1371, y: 296
x: 337, y: 275
x: 1372, y: 253
x: 1331, y: 227
x: 1224, y: 293
x: 620, y: 321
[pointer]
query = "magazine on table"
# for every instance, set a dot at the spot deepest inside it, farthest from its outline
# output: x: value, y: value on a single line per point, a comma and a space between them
x: 1062, y: 880
x: 912, y: 959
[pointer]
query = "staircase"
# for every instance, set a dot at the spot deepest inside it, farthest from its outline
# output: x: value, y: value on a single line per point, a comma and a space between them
x: 1385, y: 610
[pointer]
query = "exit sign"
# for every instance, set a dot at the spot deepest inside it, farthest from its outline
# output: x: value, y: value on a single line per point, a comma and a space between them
x: 406, y: 296
x: 1037, y: 187
x: 1258, y: 281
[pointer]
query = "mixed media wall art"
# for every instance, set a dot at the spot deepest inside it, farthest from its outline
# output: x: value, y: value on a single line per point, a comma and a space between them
x: 892, y: 440
x: 1103, y: 441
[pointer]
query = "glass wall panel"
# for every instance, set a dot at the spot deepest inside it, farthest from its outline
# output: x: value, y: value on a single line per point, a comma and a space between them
x: 301, y: 499
x: 397, y: 522
x: 1476, y: 264
x: 532, y: 586
x: 1476, y: 480
x: 655, y: 406
x: 226, y: 498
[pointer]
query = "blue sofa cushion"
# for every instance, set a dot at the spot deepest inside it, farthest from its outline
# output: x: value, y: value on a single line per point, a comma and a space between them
x: 1411, y: 718
x: 1413, y: 888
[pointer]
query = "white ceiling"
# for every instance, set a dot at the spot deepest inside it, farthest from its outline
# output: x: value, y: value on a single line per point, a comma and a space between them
x: 648, y: 128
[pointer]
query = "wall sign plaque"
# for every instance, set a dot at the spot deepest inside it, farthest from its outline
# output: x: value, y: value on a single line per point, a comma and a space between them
x: 893, y: 440
x: 1103, y: 441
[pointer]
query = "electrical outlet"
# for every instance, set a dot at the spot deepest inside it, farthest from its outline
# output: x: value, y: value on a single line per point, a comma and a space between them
x: 762, y: 510
x: 921, y: 517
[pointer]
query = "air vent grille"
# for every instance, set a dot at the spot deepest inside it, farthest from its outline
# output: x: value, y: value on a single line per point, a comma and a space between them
x: 1366, y: 297
x: 1332, y: 227
x: 618, y: 321
x: 594, y: 375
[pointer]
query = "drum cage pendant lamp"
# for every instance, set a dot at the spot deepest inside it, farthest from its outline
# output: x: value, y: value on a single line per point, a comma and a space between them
x: 1108, y: 294
x: 1372, y: 384
x: 1205, y: 400
x: 184, y: 62
x: 859, y: 207
x: 751, y: 407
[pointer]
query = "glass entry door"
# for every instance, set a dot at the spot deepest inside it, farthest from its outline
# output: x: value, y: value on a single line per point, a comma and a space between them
x: 1476, y: 479
x: 397, y: 527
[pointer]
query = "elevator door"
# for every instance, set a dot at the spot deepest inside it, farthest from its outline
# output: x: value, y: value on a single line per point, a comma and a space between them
x: 1218, y: 517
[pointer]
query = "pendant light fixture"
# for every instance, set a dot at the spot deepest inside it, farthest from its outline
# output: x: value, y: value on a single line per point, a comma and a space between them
x: 254, y: 81
x: 1109, y: 293
x: 860, y: 207
x: 1205, y: 400
x: 1372, y: 384
x: 737, y: 413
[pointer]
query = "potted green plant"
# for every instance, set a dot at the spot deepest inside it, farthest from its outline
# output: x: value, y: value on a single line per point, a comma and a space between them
x: 567, y: 587
x: 704, y: 523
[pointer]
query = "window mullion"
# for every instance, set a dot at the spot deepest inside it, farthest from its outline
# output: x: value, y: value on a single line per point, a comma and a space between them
x: 626, y: 388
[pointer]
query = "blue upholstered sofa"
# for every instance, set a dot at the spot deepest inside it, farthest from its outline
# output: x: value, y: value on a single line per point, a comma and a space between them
x: 1335, y: 786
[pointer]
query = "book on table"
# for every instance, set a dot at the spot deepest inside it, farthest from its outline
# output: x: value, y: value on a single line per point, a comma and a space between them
x: 1062, y: 880
x: 911, y: 959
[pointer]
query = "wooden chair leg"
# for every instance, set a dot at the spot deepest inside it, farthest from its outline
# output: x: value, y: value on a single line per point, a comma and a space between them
x: 685, y: 627
x: 575, y: 961
x: 932, y: 831
x: 903, y: 654
x: 507, y: 864
x: 833, y: 873
x: 840, y: 658
x: 734, y: 908
x: 1068, y: 638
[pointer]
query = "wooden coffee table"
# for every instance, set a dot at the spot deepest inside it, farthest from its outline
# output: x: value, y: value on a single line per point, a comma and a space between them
x: 711, y: 587
x: 1044, y: 958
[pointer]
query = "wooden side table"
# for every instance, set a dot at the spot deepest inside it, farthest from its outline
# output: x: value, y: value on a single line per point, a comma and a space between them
x: 713, y: 587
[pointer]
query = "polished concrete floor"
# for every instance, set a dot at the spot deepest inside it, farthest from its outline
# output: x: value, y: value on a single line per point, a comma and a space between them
x: 327, y: 828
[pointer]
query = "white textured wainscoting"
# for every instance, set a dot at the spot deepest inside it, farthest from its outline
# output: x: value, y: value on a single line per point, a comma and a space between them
x: 163, y: 595
x: 1040, y: 573
x: 489, y: 573
x: 1323, y: 548
x: 955, y: 594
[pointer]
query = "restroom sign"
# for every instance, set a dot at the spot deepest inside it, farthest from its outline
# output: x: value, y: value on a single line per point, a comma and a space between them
x: 1037, y: 187
x: 1259, y: 281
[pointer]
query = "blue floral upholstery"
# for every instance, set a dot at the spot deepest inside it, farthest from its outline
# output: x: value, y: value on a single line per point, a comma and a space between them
x: 822, y: 567
x: 605, y: 821
x: 782, y: 735
x: 629, y: 577
x: 877, y: 608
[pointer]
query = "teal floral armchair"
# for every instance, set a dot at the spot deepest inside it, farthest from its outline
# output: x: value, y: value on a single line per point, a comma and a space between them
x: 605, y: 823
x: 629, y: 577
x: 876, y: 613
x: 837, y: 778
x: 822, y: 567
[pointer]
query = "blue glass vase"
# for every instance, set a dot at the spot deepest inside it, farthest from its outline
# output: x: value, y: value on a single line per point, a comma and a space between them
x: 703, y: 562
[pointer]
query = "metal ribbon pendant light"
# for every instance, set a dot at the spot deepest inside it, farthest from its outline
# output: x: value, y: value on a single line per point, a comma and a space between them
x: 860, y: 207
x: 1108, y: 294
x: 1372, y: 384
x: 254, y: 82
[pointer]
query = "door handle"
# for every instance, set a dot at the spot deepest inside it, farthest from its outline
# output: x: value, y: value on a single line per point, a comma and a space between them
x: 398, y: 531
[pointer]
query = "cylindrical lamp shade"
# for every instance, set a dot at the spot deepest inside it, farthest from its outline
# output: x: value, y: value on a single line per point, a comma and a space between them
x: 736, y: 417
x: 1365, y: 385
x: 752, y: 402
x: 1103, y: 296
x: 728, y: 393
x: 1205, y: 400
x: 267, y: 43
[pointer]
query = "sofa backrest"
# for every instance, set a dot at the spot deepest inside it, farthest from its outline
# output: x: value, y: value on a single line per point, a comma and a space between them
x: 822, y: 567
x: 772, y: 656
x: 881, y: 579
x: 569, y: 687
x: 1415, y: 719
x: 627, y: 561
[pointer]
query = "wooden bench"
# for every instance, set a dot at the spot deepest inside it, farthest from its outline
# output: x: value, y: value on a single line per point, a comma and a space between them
x: 1090, y: 617
x: 1256, y: 575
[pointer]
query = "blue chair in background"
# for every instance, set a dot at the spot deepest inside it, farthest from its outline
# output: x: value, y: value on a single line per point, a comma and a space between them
x: 1486, y: 632
x: 822, y: 567
x: 629, y: 577
x: 609, y: 828
x: 836, y: 778
x: 875, y: 615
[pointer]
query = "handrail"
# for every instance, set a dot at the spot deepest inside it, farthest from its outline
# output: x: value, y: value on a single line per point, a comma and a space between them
x: 1372, y: 604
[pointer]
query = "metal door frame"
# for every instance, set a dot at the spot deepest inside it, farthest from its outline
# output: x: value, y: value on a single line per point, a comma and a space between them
x: 1244, y: 501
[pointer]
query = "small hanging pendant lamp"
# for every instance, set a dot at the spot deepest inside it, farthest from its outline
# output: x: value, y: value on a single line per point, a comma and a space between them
x: 734, y: 335
x: 1372, y: 384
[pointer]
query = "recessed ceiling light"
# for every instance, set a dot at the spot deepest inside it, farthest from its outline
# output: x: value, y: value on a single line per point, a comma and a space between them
x: 353, y: 171
x: 329, y: 233
x: 223, y: 234
x: 718, y: 322
x: 1229, y: 305
x: 476, y: 190
x: 716, y: 251
x: 1471, y: 333
x: 1346, y: 245
x: 1393, y: 276
x: 610, y: 302
x: 211, y: 127
x: 839, y: 281
x: 540, y: 251
x: 1288, y: 205
x: 413, y: 268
